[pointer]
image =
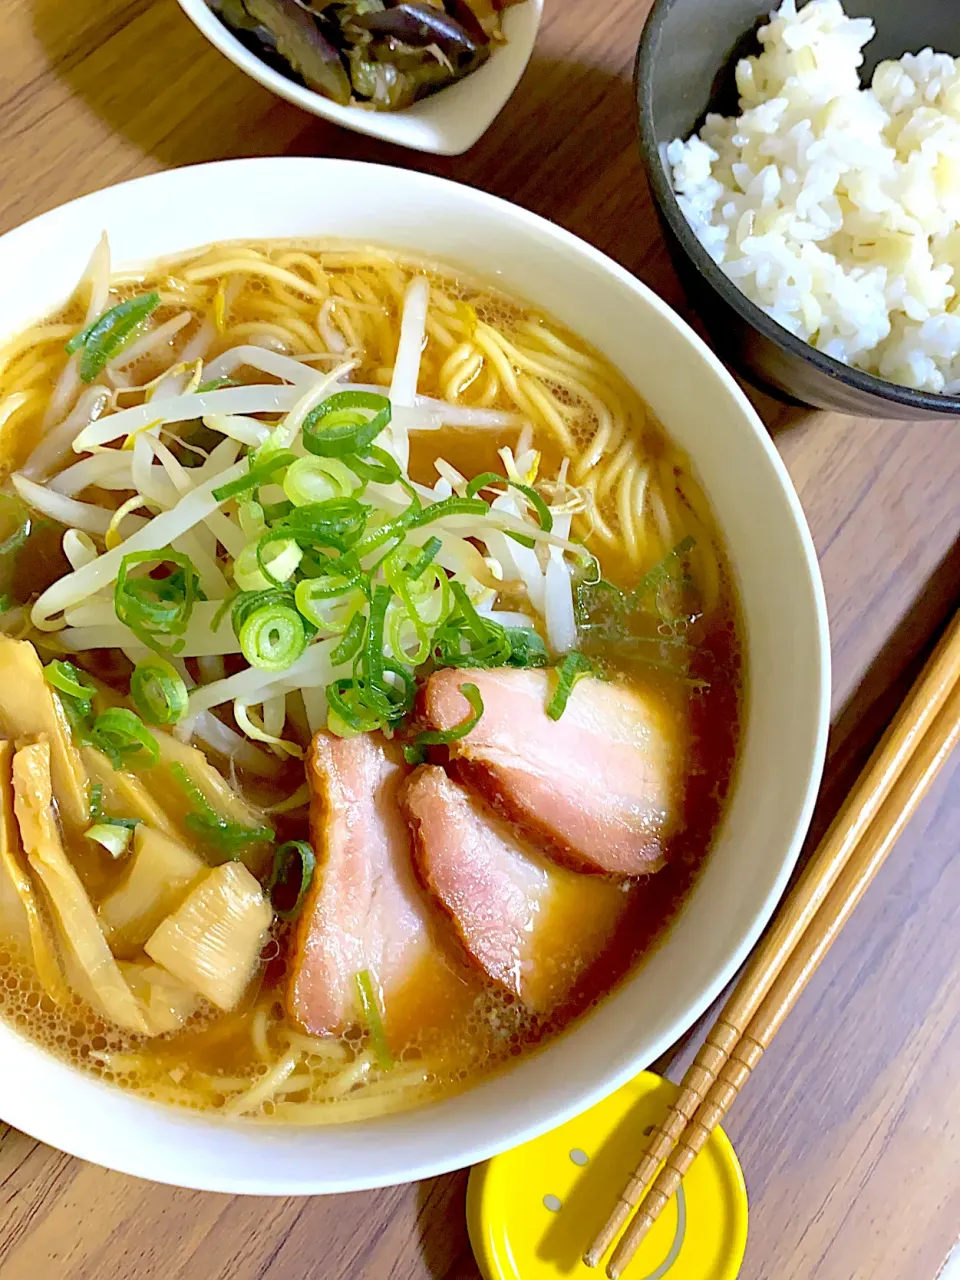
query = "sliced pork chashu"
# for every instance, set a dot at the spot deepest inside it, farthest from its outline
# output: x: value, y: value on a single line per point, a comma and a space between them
x: 364, y: 909
x: 531, y: 927
x: 598, y: 790
x: 479, y: 873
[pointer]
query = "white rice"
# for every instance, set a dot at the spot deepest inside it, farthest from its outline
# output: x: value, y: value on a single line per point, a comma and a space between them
x: 836, y: 208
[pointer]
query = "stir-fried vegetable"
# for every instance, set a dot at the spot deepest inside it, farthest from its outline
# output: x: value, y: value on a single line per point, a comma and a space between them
x: 385, y: 55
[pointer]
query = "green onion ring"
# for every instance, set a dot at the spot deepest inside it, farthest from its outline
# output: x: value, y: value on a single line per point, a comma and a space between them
x: 272, y: 637
x: 120, y: 735
x: 339, y: 426
x: 158, y: 691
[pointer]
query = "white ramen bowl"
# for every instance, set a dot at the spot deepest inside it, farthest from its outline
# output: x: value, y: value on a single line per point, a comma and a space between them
x: 787, y: 690
x: 446, y: 123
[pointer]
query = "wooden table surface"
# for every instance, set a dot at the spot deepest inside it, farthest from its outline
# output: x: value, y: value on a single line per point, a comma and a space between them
x: 849, y: 1131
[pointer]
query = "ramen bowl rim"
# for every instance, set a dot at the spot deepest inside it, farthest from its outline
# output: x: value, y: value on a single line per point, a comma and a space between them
x: 238, y: 1153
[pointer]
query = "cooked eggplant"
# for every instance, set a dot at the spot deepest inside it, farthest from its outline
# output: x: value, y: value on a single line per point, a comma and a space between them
x: 421, y: 25
x: 479, y: 19
x: 298, y: 39
x: 375, y: 53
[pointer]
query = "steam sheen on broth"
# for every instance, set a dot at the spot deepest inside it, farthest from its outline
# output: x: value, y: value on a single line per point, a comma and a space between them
x: 149, y: 932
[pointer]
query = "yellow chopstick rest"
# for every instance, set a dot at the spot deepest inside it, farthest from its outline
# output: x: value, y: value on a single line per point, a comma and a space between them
x: 532, y: 1211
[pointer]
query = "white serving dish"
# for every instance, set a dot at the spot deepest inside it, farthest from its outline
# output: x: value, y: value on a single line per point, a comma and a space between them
x: 447, y: 123
x: 787, y: 692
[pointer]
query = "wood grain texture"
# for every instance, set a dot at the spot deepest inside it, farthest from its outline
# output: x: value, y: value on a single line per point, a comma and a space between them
x: 849, y: 1131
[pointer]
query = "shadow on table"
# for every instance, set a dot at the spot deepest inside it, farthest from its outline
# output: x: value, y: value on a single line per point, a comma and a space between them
x: 855, y: 730
x: 550, y: 147
x: 442, y: 1226
x: 564, y: 146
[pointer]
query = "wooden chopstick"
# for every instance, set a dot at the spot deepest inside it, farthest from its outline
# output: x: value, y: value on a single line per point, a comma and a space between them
x: 850, y: 887
x: 919, y: 710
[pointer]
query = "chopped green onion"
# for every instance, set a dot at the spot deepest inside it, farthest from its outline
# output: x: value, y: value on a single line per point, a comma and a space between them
x: 428, y: 553
x: 214, y: 384
x: 348, y: 714
x: 340, y: 426
x: 131, y: 824
x: 376, y: 465
x: 224, y: 608
x: 123, y: 737
x: 97, y: 814
x: 294, y: 863
x: 96, y: 801
x: 252, y: 520
x: 226, y: 836
x: 158, y: 691
x: 272, y: 637
x: 77, y: 707
x: 315, y: 479
x: 521, y: 538
x: 491, y: 477
x: 106, y: 336
x: 219, y: 832
x: 285, y: 559
x: 588, y: 572
x: 380, y: 695
x: 440, y: 737
x: 397, y: 574
x: 66, y: 679
x: 258, y: 474
x: 114, y: 837
x: 323, y: 600
x: 527, y: 649
x: 276, y: 510
x: 570, y: 670
x: 328, y: 576
x: 383, y: 533
x: 21, y: 521
x: 328, y: 613
x: 157, y: 607
x: 269, y: 562
x: 338, y: 523
x: 410, y: 648
x: 247, y: 602
x: 352, y: 640
x: 449, y: 507
x: 246, y: 570
x: 489, y: 644
x: 370, y: 1006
